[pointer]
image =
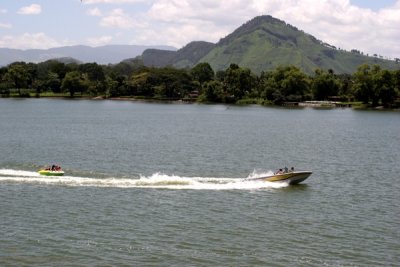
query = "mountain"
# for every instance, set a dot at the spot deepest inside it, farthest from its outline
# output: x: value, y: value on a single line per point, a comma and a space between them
x: 67, y: 60
x: 261, y: 44
x: 265, y: 43
x: 109, y: 54
x: 187, y: 56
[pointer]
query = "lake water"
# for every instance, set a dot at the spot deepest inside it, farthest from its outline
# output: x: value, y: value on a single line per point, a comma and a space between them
x: 163, y: 185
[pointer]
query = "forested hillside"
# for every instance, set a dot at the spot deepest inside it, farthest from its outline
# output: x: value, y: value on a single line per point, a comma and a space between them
x: 265, y: 43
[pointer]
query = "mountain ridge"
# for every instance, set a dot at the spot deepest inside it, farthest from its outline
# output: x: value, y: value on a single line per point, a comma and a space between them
x: 187, y: 56
x: 261, y: 44
x: 265, y: 43
x: 107, y: 54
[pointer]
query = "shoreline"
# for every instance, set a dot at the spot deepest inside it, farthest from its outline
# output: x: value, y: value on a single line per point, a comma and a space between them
x: 298, y: 105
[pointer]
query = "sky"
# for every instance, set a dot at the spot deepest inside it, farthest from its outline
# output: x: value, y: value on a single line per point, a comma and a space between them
x: 371, y: 26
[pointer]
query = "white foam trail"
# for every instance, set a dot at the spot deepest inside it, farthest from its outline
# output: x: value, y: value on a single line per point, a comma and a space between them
x: 157, y: 180
x: 258, y: 174
x: 18, y: 173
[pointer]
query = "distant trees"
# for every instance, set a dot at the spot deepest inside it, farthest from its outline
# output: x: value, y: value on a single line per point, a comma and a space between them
x: 383, y: 88
x: 17, y: 76
x: 93, y: 79
x: 52, y: 82
x: 229, y: 86
x: 371, y: 85
x: 362, y: 83
x: 213, y: 91
x: 73, y: 82
x: 237, y: 82
x: 161, y: 83
x: 202, y: 73
x: 324, y: 84
x: 285, y: 84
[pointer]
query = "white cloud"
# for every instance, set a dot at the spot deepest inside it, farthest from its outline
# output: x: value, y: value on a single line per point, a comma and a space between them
x: 334, y: 21
x: 5, y: 25
x: 28, y: 41
x: 103, y: 40
x: 33, y: 9
x: 178, y: 35
x: 339, y: 23
x: 118, y: 19
x: 94, y: 12
x: 3, y: 11
x: 177, y: 22
x: 185, y: 21
x: 111, y: 1
x: 222, y: 12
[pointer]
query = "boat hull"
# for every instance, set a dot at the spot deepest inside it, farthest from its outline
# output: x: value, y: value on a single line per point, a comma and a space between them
x: 51, y: 173
x: 290, y: 177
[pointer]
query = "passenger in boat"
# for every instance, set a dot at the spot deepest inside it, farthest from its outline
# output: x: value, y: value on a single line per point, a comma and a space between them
x: 279, y: 172
x: 286, y: 169
x: 55, y: 168
x: 292, y: 169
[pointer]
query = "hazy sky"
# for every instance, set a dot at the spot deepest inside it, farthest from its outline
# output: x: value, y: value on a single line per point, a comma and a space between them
x: 372, y: 26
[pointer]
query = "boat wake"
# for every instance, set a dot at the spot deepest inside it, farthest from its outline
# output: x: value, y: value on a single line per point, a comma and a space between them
x: 157, y: 180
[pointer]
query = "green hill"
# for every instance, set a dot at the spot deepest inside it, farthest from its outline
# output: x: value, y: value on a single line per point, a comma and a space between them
x: 265, y: 43
x: 187, y: 56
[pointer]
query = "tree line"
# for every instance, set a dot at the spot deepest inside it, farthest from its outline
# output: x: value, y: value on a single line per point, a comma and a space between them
x: 370, y: 85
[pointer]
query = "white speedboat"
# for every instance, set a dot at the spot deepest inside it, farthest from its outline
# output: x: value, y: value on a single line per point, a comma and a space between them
x: 293, y: 177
